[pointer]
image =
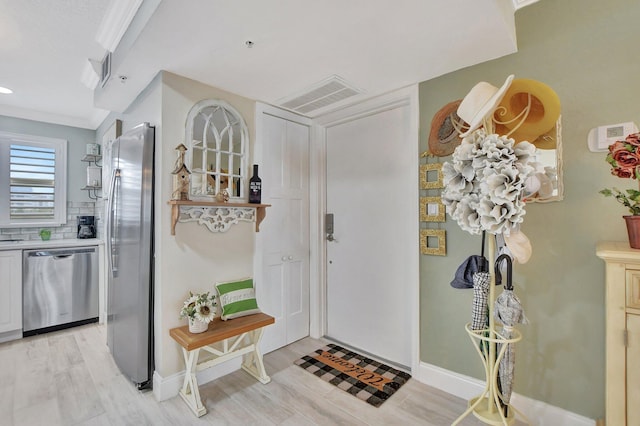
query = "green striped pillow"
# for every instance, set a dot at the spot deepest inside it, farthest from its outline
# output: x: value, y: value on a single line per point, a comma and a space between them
x: 237, y: 298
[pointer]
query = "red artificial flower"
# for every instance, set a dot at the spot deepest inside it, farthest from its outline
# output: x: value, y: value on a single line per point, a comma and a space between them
x: 624, y: 157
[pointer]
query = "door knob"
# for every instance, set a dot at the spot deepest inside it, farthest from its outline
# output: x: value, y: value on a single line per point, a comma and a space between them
x: 290, y: 257
x: 284, y: 258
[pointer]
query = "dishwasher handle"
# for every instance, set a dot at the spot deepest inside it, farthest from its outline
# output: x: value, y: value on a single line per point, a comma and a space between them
x: 60, y: 253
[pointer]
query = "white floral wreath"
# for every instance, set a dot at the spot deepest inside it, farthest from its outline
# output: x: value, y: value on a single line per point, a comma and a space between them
x: 485, y: 180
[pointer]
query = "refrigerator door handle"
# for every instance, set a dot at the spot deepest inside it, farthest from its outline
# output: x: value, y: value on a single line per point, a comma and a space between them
x: 112, y: 236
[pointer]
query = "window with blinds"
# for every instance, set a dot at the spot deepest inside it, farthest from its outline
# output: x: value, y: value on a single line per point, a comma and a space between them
x: 32, y: 187
x: 33, y: 178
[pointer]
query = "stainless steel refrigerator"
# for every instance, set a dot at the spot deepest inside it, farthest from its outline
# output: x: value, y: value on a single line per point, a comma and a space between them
x: 129, y: 238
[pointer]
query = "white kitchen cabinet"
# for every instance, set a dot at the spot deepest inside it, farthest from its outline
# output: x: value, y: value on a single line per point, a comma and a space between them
x: 10, y: 295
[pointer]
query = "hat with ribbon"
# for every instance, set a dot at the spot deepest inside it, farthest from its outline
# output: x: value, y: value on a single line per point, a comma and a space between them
x: 444, y: 137
x: 480, y: 102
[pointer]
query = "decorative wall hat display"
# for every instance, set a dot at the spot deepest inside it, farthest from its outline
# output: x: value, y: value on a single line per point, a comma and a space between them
x: 484, y: 182
x: 528, y: 109
x: 480, y: 103
x: 444, y: 137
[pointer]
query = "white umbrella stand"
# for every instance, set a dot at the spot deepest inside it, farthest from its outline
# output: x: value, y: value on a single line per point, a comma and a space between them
x: 490, y: 406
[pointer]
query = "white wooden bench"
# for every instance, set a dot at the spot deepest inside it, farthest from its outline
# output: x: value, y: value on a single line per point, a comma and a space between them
x: 225, y: 340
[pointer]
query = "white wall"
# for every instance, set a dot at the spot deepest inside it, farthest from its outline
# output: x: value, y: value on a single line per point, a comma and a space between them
x: 194, y: 259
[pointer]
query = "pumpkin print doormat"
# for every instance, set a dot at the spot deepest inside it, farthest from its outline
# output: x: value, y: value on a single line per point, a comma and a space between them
x: 365, y: 378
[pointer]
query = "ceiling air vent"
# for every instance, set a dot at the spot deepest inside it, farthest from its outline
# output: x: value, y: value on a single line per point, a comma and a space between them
x: 105, y: 69
x: 320, y: 96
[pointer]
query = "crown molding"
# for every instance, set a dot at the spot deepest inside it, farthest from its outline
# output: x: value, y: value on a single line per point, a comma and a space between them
x: 519, y: 4
x: 50, y: 117
x: 115, y: 22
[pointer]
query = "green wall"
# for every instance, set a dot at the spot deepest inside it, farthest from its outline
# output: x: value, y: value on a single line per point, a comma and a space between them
x: 587, y: 51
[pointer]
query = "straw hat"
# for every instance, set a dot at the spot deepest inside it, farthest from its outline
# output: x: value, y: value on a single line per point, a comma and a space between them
x: 480, y: 102
x: 543, y: 114
x: 443, y: 137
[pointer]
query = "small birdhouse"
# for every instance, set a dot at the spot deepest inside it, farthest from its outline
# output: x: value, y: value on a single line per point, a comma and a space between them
x: 181, y: 176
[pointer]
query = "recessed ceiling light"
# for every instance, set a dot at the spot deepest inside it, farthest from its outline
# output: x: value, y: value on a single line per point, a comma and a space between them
x: 5, y: 90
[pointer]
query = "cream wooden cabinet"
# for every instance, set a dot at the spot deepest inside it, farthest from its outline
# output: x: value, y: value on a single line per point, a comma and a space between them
x: 622, y: 332
x: 10, y: 295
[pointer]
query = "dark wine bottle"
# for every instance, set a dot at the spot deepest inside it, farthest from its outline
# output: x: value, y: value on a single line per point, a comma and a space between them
x: 237, y: 183
x: 255, y: 187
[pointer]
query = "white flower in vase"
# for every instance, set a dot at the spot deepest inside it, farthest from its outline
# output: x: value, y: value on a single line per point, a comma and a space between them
x: 205, y: 312
x: 199, y: 307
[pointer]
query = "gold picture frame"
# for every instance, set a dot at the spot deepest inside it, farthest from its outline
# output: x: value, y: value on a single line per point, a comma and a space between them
x: 440, y: 235
x: 425, y: 183
x: 432, y: 209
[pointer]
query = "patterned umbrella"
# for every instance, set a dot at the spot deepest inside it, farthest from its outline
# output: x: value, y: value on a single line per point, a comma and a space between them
x: 479, y: 314
x: 508, y: 310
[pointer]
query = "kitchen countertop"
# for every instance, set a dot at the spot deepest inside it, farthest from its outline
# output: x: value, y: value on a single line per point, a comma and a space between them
x: 39, y: 244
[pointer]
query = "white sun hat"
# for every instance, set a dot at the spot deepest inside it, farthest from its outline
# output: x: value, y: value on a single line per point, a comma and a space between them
x: 481, y: 101
x: 519, y: 246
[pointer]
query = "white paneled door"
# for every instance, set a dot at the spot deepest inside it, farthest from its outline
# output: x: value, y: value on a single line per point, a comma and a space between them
x: 370, y: 264
x: 284, y: 235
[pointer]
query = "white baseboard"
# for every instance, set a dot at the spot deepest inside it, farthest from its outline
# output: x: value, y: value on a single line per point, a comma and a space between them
x: 465, y: 387
x: 168, y: 387
x: 10, y: 335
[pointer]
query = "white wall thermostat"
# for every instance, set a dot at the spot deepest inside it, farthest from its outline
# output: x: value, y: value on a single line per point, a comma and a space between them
x: 601, y: 137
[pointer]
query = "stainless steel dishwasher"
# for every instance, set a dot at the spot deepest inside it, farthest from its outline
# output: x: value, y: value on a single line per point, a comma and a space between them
x: 60, y: 288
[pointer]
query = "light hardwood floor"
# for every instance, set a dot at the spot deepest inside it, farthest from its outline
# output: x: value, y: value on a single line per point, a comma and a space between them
x: 69, y: 378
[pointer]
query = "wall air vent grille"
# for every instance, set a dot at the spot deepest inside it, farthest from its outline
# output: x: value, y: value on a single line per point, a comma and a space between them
x: 105, y: 69
x: 320, y: 96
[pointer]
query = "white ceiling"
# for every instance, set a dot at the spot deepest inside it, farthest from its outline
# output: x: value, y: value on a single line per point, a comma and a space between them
x: 375, y: 45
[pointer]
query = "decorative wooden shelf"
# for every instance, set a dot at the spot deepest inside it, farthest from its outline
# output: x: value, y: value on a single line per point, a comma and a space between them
x: 217, y: 217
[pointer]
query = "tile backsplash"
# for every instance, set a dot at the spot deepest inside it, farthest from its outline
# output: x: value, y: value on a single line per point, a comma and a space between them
x: 67, y: 231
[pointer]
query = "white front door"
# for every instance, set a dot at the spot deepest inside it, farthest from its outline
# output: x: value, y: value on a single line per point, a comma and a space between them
x: 371, y: 265
x: 283, y: 242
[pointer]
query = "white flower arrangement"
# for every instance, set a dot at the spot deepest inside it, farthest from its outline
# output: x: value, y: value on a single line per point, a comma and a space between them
x: 485, y: 180
x: 200, y: 307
